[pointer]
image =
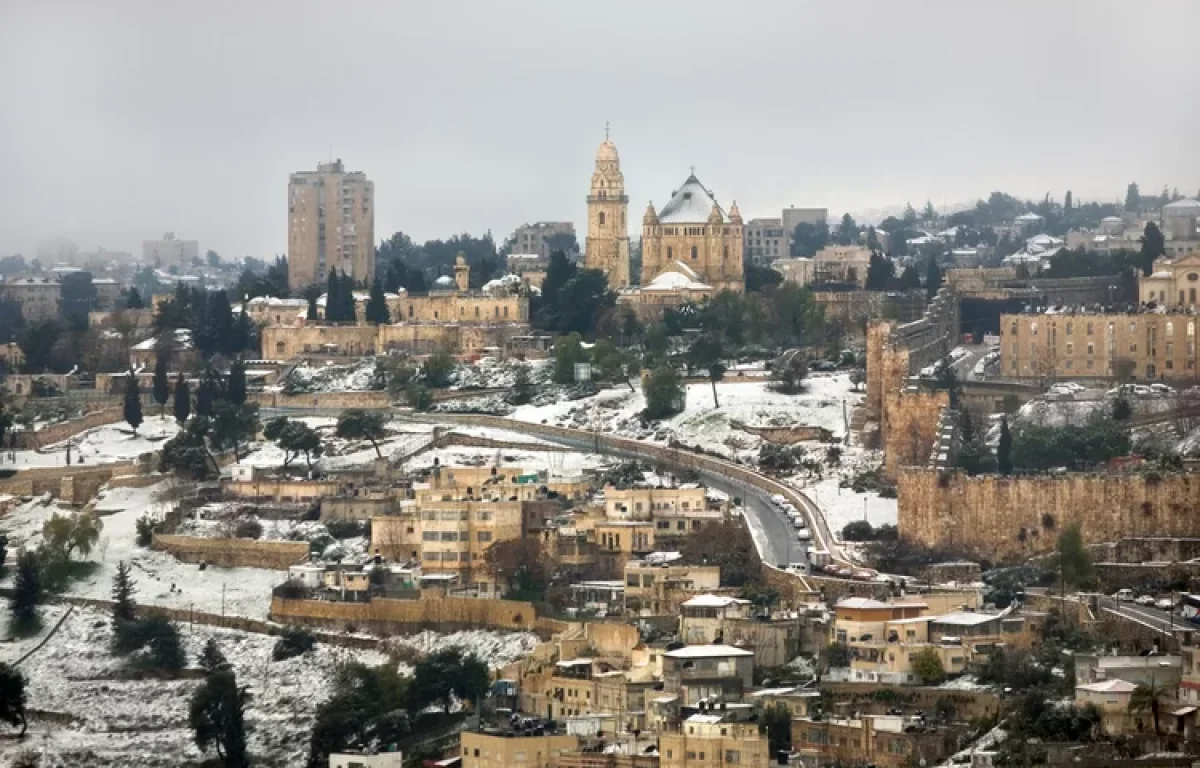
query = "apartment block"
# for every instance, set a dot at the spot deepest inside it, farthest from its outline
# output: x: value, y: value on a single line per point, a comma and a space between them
x: 1142, y: 345
x: 541, y: 238
x: 170, y: 251
x: 331, y: 225
x: 706, y: 741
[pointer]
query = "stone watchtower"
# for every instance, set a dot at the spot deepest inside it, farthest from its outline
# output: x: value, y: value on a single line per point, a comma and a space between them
x: 607, y: 246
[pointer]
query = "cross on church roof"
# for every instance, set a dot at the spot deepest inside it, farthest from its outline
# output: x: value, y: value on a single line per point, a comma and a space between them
x: 606, y: 130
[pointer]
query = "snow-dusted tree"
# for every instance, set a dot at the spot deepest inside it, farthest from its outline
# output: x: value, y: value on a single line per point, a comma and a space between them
x: 216, y: 717
x: 65, y: 534
x: 12, y: 697
x: 124, y: 606
x: 211, y: 659
x: 358, y: 424
x: 162, y: 391
x: 183, y: 402
x: 133, y: 403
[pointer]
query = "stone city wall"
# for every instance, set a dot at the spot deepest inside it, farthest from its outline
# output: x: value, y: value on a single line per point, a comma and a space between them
x: 68, y: 483
x: 998, y: 518
x: 233, y: 553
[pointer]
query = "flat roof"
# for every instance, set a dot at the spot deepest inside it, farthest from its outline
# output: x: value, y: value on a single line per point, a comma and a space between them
x: 706, y: 651
x: 713, y: 601
x: 966, y: 619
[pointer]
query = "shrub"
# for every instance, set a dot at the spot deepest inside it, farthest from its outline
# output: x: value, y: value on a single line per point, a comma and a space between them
x: 347, y: 529
x: 293, y: 641
x: 145, y: 531
x: 293, y: 589
x: 859, y: 530
x: 249, y: 529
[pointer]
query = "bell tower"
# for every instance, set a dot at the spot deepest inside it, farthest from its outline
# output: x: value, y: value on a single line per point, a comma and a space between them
x: 607, y: 245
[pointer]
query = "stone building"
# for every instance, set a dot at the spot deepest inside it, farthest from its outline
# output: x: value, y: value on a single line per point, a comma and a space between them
x: 331, y: 225
x: 607, y: 245
x: 670, y: 290
x: 692, y: 229
x: 842, y: 264
x: 1173, y: 283
x: 1144, y: 345
x: 707, y: 741
x: 500, y: 750
x: 889, y: 741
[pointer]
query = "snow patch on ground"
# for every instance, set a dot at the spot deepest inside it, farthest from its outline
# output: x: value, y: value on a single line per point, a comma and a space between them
x: 162, y: 580
x: 115, y: 720
x: 103, y: 445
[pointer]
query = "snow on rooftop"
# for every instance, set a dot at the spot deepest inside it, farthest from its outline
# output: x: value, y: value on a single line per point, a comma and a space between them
x: 1109, y: 686
x: 967, y: 619
x: 676, y: 281
x: 713, y: 601
x: 1186, y: 204
x: 690, y: 204
x: 707, y: 652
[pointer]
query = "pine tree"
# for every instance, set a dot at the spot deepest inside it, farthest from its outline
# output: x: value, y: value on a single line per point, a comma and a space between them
x: 377, y: 309
x: 133, y: 403
x: 162, y: 390
x: 312, y: 315
x: 1068, y: 203
x: 235, y: 389
x: 27, y: 591
x: 217, y: 718
x: 183, y: 402
x: 133, y: 300
x: 211, y: 658
x: 124, y: 607
x: 1004, y: 449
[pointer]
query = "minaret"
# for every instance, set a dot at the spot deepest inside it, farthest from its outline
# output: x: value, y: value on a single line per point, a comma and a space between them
x: 607, y: 246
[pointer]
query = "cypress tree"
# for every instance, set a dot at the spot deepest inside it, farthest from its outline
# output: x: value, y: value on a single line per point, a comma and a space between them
x: 133, y: 403
x: 235, y: 391
x: 377, y: 309
x: 349, y: 311
x: 1004, y: 449
x: 162, y: 390
x: 183, y: 403
x: 27, y: 590
x: 333, y: 306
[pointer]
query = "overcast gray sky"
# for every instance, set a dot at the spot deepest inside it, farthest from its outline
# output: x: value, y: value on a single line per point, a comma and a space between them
x: 121, y: 119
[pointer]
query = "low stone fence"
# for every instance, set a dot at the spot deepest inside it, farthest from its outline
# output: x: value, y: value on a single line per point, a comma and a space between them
x: 788, y: 435
x: 233, y: 553
x: 320, y: 400
x: 284, y: 489
x: 56, y: 433
x: 383, y: 615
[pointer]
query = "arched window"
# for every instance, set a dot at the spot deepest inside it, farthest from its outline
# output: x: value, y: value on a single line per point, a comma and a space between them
x: 410, y: 311
x: 601, y: 213
x: 694, y: 253
x: 668, y: 252
x: 1191, y: 295
x: 1070, y: 327
x: 1170, y: 329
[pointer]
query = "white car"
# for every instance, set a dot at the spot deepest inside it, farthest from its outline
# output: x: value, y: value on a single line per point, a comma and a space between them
x: 1145, y: 600
x: 803, y: 535
x: 778, y: 500
x: 1164, y: 604
x: 1124, y: 595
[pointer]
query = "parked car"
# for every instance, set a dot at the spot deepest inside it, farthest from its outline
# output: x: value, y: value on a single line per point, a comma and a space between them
x: 1145, y: 600
x: 778, y: 499
x: 1124, y: 595
x: 1164, y: 604
x: 822, y: 365
x: 803, y: 535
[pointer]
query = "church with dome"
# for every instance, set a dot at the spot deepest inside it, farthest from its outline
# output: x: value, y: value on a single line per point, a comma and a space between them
x: 691, y: 241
